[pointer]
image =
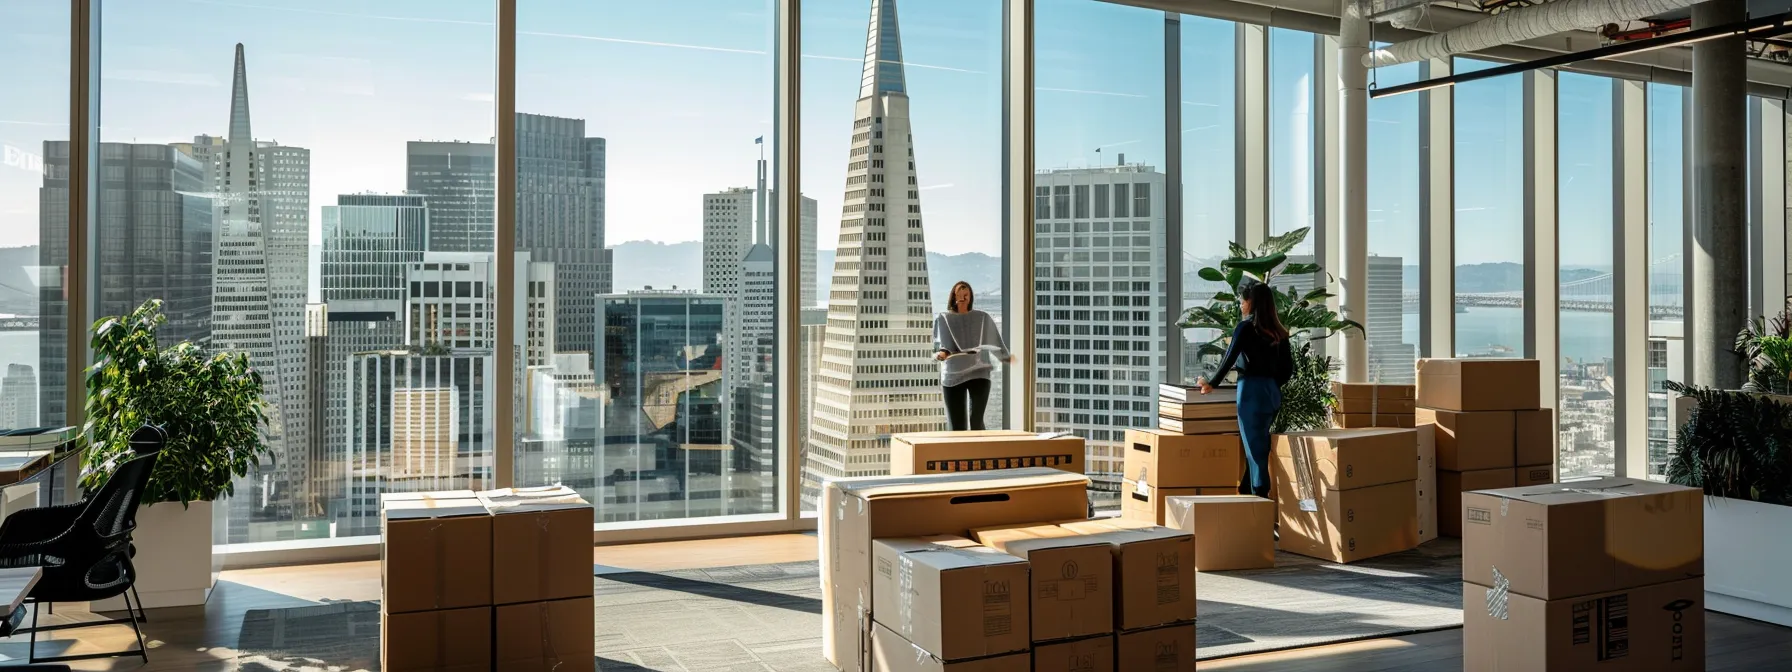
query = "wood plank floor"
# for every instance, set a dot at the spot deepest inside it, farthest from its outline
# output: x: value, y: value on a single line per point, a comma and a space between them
x: 202, y: 638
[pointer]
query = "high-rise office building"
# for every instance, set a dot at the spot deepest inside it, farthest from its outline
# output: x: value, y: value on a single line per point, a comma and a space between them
x: 1099, y: 262
x: 732, y: 221
x: 459, y: 179
x: 417, y: 421
x: 313, y: 492
x: 451, y: 303
x: 875, y: 375
x: 1391, y: 359
x: 18, y: 397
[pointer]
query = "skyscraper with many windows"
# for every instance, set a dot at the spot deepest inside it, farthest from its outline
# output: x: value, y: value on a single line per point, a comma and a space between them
x: 876, y: 377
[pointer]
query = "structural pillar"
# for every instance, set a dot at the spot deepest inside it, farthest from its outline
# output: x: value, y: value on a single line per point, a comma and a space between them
x: 1719, y: 254
x: 1353, y: 85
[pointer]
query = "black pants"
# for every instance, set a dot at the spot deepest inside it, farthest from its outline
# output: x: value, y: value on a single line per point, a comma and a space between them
x: 972, y: 393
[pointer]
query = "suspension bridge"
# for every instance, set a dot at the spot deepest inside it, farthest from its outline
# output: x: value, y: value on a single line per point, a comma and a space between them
x: 1592, y: 295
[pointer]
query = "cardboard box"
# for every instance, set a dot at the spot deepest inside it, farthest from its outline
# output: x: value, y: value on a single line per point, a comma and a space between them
x: 1451, y: 485
x: 1145, y: 504
x: 1654, y: 628
x: 447, y: 640
x: 1091, y: 654
x: 856, y: 510
x: 1175, y: 426
x: 1342, y: 459
x: 1367, y: 420
x: 1161, y: 459
x: 891, y: 653
x: 1344, y: 525
x: 983, y: 450
x: 436, y: 552
x: 951, y: 597
x: 1154, y: 571
x: 1470, y: 441
x: 1582, y: 538
x: 1479, y: 384
x: 1229, y: 490
x: 1427, y: 483
x: 1231, y: 531
x: 1534, y: 436
x: 1541, y: 474
x: 554, y: 635
x: 1373, y: 398
x: 1167, y: 649
x: 541, y: 544
x: 1072, y: 578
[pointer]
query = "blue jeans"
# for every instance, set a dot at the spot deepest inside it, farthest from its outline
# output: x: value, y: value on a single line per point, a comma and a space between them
x: 1258, y: 400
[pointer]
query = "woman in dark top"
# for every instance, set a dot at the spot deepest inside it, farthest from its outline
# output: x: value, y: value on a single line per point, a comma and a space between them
x: 1260, y: 351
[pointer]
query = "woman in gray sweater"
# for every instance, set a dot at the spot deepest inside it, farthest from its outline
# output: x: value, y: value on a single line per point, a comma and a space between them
x: 960, y: 336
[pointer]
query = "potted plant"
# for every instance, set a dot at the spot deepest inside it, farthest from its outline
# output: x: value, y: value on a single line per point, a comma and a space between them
x: 1307, y: 396
x: 210, y: 406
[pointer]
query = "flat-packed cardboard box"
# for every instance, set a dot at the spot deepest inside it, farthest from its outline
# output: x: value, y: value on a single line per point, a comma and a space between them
x: 1534, y: 436
x: 436, y: 552
x: 1090, y: 654
x: 554, y: 635
x: 541, y: 544
x: 1654, y: 628
x: 1468, y: 441
x: 1427, y: 483
x: 1218, y: 426
x: 1373, y: 398
x: 1451, y: 485
x: 1478, y: 384
x: 1566, y: 540
x: 1231, y: 531
x: 952, y: 597
x: 1341, y: 459
x: 447, y: 640
x: 1541, y: 474
x: 1161, y: 459
x: 1170, y: 648
x: 1367, y: 420
x: 982, y: 450
x: 856, y: 510
x: 1344, y: 525
x: 891, y: 653
x: 1154, y: 571
x: 1145, y: 504
x: 1072, y: 578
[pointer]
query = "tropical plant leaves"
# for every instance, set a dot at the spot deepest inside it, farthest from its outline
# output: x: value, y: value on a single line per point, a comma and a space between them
x: 1211, y: 274
x: 1734, y: 444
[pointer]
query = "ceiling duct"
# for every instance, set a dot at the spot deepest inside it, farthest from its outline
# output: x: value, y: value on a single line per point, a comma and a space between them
x: 1519, y: 25
x: 1397, y: 13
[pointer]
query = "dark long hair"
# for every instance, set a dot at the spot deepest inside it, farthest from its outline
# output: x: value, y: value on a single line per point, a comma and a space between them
x: 1263, y: 312
x: 952, y: 297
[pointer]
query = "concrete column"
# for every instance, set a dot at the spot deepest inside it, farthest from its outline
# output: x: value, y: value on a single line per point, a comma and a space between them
x: 1542, y: 275
x: 1251, y: 175
x: 1353, y: 86
x: 1719, y: 255
x: 1630, y: 275
x: 1767, y: 207
x: 1437, y: 215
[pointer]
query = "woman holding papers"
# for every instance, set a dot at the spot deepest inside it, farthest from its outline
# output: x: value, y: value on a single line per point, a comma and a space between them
x: 1260, y: 351
x: 960, y: 336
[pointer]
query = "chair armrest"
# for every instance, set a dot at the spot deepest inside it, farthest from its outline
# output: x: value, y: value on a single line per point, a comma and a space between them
x: 39, y: 524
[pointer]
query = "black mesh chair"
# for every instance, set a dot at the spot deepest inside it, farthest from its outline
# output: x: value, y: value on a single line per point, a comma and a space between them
x: 85, y: 548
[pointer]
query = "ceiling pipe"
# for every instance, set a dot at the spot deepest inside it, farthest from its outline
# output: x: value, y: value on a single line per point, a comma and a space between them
x: 1397, y: 13
x: 1519, y: 25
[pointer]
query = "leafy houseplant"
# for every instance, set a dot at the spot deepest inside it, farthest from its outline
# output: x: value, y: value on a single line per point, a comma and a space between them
x: 1307, y: 395
x: 210, y: 406
x: 1736, y: 445
x: 1766, y: 345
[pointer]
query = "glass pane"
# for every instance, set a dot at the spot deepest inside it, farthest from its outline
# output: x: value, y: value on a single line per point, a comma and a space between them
x: 1292, y: 91
x: 1392, y: 324
x: 1667, y: 216
x: 902, y: 149
x: 298, y: 238
x: 645, y: 214
x: 1489, y: 195
x: 1209, y: 124
x: 33, y: 212
x: 1099, y: 281
x: 1586, y: 412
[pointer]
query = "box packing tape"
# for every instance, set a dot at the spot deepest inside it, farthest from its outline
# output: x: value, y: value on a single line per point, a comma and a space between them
x: 905, y: 604
x: 1499, y: 596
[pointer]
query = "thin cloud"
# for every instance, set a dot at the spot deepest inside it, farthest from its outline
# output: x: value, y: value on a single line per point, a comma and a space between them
x: 934, y: 186
x: 477, y: 97
x: 1117, y: 144
x: 1195, y: 104
x: 644, y: 43
x: 1201, y: 128
x: 1116, y: 94
x: 320, y: 12
x: 906, y: 64
x: 163, y: 77
x: 33, y: 123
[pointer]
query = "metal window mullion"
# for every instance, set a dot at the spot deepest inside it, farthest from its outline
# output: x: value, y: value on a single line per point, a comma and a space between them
x: 1689, y: 194
x: 1630, y: 275
x: 787, y: 80
x: 1767, y: 216
x: 1171, y: 294
x: 505, y: 363
x: 1541, y: 272
x: 83, y: 210
x: 1251, y: 113
x: 1328, y: 167
x: 1017, y: 206
x: 1437, y: 216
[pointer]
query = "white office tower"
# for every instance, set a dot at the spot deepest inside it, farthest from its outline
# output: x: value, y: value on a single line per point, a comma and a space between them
x: 1101, y: 324
x: 875, y: 377
x: 730, y: 219
x: 18, y: 397
x: 1391, y: 359
x: 451, y: 303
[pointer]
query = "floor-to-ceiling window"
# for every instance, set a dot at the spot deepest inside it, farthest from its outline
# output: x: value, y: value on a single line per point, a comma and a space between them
x: 1489, y: 196
x: 902, y: 152
x: 1099, y: 222
x: 1392, y: 324
x: 1586, y: 407
x: 1209, y: 85
x: 33, y: 212
x: 1667, y: 215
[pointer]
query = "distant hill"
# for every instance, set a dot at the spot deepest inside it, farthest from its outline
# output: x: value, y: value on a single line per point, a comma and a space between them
x: 984, y: 272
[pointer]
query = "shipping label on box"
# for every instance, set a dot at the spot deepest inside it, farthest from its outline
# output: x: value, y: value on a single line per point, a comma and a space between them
x: 541, y: 636
x: 1345, y: 525
x: 1090, y: 654
x: 435, y: 552
x: 983, y: 450
x: 1471, y: 441
x: 1167, y: 649
x: 856, y: 510
x: 1154, y: 570
x: 541, y: 544
x: 1570, y: 539
x: 891, y: 653
x: 1534, y: 436
x: 1654, y: 628
x: 1427, y: 483
x: 447, y: 640
x: 1161, y: 459
x: 1451, y: 485
x: 1542, y: 474
x: 1478, y: 384
x: 1145, y: 504
x: 1342, y: 459
x: 1072, y: 578
x: 1231, y: 531
x: 951, y: 597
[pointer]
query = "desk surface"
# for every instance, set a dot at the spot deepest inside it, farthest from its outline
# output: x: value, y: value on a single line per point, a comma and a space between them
x: 15, y: 584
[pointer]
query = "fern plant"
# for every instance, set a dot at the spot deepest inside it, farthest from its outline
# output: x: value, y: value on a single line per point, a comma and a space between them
x: 1763, y: 345
x: 1735, y: 444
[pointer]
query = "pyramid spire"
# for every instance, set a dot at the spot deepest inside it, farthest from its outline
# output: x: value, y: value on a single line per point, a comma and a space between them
x: 883, y: 53
x: 239, y: 101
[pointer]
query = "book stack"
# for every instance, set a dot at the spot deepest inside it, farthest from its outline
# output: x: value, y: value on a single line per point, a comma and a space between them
x: 1182, y: 409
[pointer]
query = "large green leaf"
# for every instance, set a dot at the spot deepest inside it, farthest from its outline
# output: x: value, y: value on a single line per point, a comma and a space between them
x: 1284, y: 243
x: 1259, y: 267
x: 1211, y: 274
x: 1300, y: 269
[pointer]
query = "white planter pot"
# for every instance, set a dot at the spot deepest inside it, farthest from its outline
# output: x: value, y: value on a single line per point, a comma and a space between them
x: 1746, y: 545
x: 175, y: 563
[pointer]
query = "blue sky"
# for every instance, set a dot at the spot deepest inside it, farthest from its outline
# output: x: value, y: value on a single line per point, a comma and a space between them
x: 681, y: 89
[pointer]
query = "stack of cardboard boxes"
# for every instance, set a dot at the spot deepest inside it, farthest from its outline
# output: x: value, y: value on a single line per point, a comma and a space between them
x: 1230, y: 531
x: 982, y: 450
x: 541, y: 578
x: 1487, y: 429
x: 1346, y: 494
x: 1182, y: 409
x: 1598, y: 575
x: 1363, y: 405
x: 1161, y: 464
